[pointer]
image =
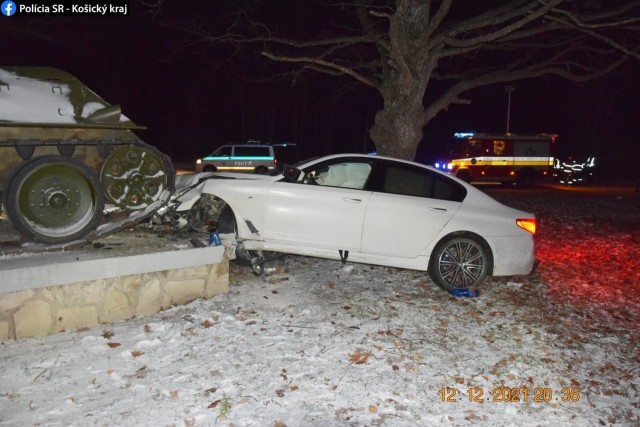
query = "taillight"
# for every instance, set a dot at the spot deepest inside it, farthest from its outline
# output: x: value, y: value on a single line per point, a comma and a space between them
x: 528, y: 224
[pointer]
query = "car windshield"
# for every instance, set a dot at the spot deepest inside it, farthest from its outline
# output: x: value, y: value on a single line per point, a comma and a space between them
x: 280, y: 166
x: 302, y: 162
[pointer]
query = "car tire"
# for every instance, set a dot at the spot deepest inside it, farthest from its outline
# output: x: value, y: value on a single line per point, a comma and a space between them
x: 460, y: 262
x: 261, y: 170
x: 209, y: 168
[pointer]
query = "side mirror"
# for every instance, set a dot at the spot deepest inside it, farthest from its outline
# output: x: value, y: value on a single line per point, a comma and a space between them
x: 291, y: 173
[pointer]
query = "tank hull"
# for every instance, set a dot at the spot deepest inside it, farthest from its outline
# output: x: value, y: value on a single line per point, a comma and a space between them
x: 66, y: 155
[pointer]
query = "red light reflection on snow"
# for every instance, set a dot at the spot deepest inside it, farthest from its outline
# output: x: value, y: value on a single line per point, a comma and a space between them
x: 588, y: 242
x: 584, y: 268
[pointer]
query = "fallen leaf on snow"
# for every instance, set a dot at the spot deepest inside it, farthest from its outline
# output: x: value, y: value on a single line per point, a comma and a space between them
x: 473, y: 417
x: 359, y: 358
x: 137, y: 353
x: 113, y: 344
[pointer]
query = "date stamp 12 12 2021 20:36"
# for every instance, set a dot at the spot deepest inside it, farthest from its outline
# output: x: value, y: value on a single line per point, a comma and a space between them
x: 503, y: 394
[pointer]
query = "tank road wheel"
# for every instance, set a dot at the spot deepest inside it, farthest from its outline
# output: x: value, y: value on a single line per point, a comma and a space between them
x: 134, y: 177
x: 54, y: 199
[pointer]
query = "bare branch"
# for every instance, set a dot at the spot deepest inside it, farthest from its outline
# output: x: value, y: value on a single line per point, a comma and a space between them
x: 529, y: 16
x: 402, y: 46
x: 324, y: 66
x: 610, y: 17
x: 436, y: 21
x: 154, y: 7
x: 380, y: 14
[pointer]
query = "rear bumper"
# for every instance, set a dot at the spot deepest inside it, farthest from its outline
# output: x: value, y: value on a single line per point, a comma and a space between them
x: 513, y: 256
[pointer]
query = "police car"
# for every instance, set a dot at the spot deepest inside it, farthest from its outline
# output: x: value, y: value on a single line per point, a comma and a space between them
x: 252, y: 157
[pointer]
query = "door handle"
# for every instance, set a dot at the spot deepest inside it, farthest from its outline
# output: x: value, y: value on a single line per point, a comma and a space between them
x: 433, y: 208
x: 349, y: 200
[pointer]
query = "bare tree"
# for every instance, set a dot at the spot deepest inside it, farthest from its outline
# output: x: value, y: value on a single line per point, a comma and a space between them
x: 422, y: 56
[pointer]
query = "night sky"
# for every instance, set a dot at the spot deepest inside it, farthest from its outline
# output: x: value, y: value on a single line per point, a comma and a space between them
x: 195, y: 98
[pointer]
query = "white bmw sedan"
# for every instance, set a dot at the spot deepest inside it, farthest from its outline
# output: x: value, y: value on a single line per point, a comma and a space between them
x: 375, y: 210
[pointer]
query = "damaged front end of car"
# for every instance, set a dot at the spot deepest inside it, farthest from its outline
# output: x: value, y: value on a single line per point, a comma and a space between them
x: 193, y: 211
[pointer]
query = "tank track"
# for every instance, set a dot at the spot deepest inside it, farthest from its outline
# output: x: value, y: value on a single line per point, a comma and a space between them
x: 133, y: 190
x: 17, y: 247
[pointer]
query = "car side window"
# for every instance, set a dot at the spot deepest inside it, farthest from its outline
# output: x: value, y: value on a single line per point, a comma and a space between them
x: 252, y: 152
x: 224, y: 151
x: 409, y: 180
x: 339, y: 173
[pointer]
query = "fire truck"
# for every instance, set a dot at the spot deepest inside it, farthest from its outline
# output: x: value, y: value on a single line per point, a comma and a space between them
x: 506, y: 158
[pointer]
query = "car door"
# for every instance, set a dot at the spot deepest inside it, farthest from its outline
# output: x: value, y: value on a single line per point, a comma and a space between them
x: 325, y: 209
x: 408, y: 208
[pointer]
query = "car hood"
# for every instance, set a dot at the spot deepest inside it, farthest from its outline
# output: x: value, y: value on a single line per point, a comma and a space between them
x: 240, y: 175
x: 189, y: 186
x: 190, y: 179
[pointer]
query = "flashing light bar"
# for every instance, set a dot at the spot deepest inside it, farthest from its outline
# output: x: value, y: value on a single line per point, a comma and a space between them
x: 443, y: 165
x: 463, y: 134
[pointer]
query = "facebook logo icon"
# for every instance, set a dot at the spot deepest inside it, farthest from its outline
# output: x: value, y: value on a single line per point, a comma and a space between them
x: 8, y: 8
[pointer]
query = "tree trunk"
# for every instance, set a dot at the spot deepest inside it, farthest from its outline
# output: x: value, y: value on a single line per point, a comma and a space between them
x: 397, y: 129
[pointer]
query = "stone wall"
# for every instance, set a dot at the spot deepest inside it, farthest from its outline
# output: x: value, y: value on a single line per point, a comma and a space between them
x: 43, y: 311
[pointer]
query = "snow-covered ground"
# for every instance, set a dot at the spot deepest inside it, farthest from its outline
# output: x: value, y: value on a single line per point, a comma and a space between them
x: 319, y: 343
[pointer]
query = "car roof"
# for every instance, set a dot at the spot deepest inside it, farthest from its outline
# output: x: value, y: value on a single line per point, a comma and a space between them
x: 245, y: 145
x: 368, y: 156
